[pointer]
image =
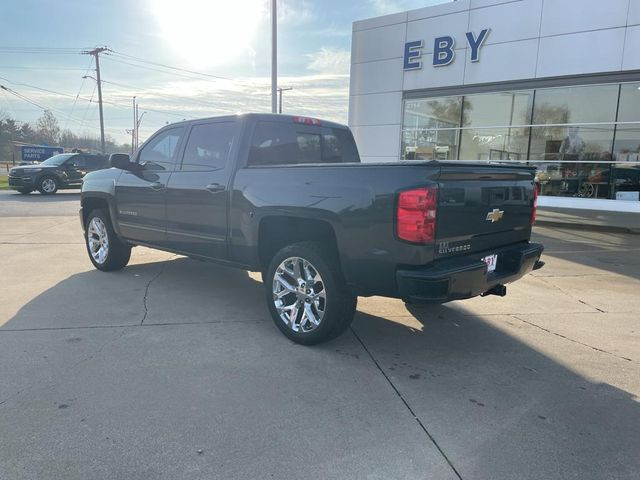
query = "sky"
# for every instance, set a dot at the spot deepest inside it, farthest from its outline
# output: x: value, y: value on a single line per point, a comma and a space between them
x: 224, y: 45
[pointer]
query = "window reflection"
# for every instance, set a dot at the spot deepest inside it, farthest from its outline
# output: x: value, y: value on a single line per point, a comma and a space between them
x: 584, y: 140
x: 586, y: 104
x: 430, y: 128
x: 571, y: 143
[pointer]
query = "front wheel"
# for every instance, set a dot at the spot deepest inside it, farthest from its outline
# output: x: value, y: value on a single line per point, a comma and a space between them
x: 106, y: 251
x: 308, y: 298
x: 48, y: 185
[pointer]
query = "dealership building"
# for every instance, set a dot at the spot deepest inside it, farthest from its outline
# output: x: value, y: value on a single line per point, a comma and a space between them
x: 553, y: 83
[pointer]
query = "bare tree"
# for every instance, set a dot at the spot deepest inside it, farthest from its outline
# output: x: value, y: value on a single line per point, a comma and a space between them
x: 48, y: 128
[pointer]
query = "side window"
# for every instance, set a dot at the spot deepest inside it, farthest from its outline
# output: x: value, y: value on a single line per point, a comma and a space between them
x: 95, y: 163
x: 208, y: 146
x: 160, y: 152
x: 273, y: 143
x: 77, y: 161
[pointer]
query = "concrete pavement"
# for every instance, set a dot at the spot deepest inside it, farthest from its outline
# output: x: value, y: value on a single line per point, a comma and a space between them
x: 172, y: 368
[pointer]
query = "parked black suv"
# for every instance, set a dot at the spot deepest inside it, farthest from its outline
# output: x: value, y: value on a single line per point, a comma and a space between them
x: 60, y: 171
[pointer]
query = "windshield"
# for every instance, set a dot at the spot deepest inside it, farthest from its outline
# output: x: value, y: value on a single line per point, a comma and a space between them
x: 57, y: 160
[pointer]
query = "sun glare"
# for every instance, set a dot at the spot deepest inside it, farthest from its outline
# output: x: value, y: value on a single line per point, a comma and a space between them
x: 208, y: 32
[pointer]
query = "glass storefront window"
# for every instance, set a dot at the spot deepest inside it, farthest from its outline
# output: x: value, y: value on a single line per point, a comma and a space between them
x: 584, y: 140
x: 429, y: 144
x: 498, y: 109
x: 572, y: 143
x: 627, y: 146
x: 442, y: 112
x: 501, y: 109
x: 429, y: 128
x: 587, y: 104
x: 574, y: 179
x: 494, y: 144
x: 626, y: 180
x: 626, y: 149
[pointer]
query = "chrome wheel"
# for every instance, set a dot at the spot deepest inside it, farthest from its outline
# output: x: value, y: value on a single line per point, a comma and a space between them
x: 48, y: 185
x: 299, y: 295
x: 98, y: 240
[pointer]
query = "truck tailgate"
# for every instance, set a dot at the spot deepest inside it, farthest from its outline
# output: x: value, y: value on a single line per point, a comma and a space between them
x: 481, y: 207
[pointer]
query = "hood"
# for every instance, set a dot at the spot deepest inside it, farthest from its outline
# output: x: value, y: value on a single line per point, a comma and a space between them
x: 30, y: 168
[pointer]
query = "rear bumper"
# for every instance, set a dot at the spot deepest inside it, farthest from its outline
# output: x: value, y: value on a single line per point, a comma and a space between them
x: 466, y: 277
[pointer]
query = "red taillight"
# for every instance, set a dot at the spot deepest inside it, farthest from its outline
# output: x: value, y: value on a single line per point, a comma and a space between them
x: 416, y: 215
x: 535, y: 203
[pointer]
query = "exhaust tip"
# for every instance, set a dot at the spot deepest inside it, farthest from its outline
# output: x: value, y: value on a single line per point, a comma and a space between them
x: 538, y: 265
x: 499, y: 290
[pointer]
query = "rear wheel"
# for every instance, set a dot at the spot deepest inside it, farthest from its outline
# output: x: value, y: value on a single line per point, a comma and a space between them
x: 48, y: 185
x: 106, y: 251
x: 308, y: 298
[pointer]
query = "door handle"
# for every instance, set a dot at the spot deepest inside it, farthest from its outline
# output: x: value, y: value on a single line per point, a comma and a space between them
x: 157, y: 186
x: 215, y: 187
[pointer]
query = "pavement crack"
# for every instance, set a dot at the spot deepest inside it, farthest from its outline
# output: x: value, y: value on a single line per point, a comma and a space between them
x: 592, y: 306
x: 406, y: 404
x: 572, y: 340
x: 569, y: 294
x: 146, y: 291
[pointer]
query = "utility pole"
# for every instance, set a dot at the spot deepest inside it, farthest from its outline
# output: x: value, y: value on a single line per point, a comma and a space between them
x: 274, y: 56
x: 280, y: 90
x: 137, y: 125
x: 96, y: 54
x: 133, y: 131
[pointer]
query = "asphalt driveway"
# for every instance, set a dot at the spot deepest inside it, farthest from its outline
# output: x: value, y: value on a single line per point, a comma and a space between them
x: 172, y: 368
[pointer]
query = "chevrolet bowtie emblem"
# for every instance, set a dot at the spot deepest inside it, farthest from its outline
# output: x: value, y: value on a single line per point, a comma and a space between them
x: 495, y: 215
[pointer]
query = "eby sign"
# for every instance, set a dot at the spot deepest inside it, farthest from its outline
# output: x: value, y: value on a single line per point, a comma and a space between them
x: 443, y: 50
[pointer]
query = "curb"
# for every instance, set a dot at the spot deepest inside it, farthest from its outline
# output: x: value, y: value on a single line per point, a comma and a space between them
x: 589, y: 227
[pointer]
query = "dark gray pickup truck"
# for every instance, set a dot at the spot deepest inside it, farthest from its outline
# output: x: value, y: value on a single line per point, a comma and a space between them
x: 288, y: 196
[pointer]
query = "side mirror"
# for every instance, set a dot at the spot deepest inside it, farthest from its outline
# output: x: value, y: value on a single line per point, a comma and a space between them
x: 121, y: 161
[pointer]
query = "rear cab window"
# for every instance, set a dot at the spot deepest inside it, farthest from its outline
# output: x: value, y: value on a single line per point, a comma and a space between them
x: 281, y: 143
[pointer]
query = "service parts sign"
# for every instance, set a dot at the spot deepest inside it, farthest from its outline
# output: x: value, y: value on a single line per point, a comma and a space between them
x: 39, y: 154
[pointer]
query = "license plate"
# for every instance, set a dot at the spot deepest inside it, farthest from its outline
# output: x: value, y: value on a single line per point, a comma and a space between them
x: 491, y: 261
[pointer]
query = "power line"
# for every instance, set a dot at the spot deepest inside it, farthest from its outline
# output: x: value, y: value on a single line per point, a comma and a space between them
x: 117, y: 105
x: 41, y: 106
x: 39, y: 51
x: 190, y: 73
x: 144, y: 67
x: 170, y: 97
x: 157, y: 64
x: 34, y: 67
x: 79, y: 90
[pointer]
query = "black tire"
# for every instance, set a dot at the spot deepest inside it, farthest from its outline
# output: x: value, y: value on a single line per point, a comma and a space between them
x: 339, y: 305
x: 118, y: 252
x: 43, y: 185
x: 25, y: 191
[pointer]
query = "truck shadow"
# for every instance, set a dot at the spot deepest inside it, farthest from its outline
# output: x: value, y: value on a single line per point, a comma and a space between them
x: 494, y: 404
